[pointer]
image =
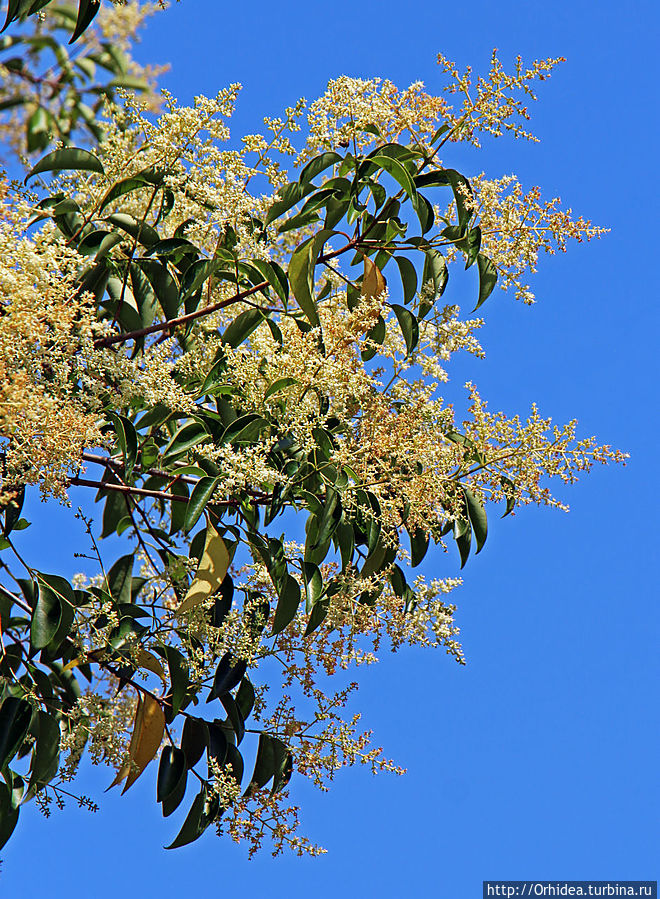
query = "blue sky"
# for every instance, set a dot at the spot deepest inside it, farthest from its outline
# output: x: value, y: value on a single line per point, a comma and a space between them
x: 539, y: 758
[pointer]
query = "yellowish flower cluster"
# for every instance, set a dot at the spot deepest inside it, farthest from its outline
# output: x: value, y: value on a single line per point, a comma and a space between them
x: 45, y: 343
x: 491, y: 105
x: 516, y: 226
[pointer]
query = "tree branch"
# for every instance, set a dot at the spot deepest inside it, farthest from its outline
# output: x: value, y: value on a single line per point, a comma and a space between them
x: 199, y: 313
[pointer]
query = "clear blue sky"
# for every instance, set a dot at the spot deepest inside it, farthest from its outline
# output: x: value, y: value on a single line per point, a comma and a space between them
x: 539, y: 758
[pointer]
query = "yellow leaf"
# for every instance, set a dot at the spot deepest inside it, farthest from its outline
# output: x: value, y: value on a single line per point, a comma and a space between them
x: 72, y: 664
x: 137, y: 724
x: 148, y: 660
x: 373, y: 282
x: 146, y: 739
x: 211, y: 572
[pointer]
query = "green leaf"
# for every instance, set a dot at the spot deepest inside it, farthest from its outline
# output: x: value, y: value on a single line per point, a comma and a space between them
x: 408, y: 277
x: 202, y: 493
x: 195, y: 276
x: 202, y: 812
x: 408, y: 325
x: 127, y: 440
x: 275, y: 276
x: 179, y: 677
x: 510, y: 493
x: 86, y: 12
x: 235, y: 763
x: 46, y: 618
x: 138, y: 230
x: 419, y: 544
x: 317, y: 616
x: 246, y: 429
x: 114, y: 511
x: 478, y: 518
x: 346, y: 540
x: 463, y: 538
x: 125, y: 186
x: 313, y: 584
x: 222, y: 603
x: 194, y: 740
x: 15, y: 717
x: 435, y: 270
x: 171, y: 771
x: 13, y: 510
x: 227, y: 676
x: 8, y: 815
x: 245, y: 697
x: 301, y: 272
x: 234, y: 714
x: 288, y: 196
x: 277, y: 386
x: 394, y: 168
x: 46, y: 758
x: 184, y: 439
x: 242, y: 326
x: 317, y: 165
x: 67, y: 158
x: 287, y: 605
x: 471, y: 246
x: 487, y: 278
x: 120, y: 579
x: 218, y: 742
x: 273, y: 760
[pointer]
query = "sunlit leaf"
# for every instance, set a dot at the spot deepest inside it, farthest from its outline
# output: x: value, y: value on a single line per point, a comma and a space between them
x: 210, y: 573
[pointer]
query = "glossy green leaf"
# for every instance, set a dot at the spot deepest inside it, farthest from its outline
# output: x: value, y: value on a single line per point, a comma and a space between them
x: 15, y: 717
x: 287, y: 197
x: 218, y: 742
x: 46, y: 618
x: 435, y: 270
x: 487, y: 278
x: 408, y: 325
x: 317, y: 616
x: 125, y: 186
x: 301, y: 272
x: 171, y: 770
x: 194, y: 740
x: 463, y: 538
x: 313, y: 584
x: 202, y: 812
x: 394, y: 168
x: 235, y: 763
x: 67, y: 158
x: 478, y: 518
x: 273, y: 761
x: 245, y: 697
x: 8, y: 815
x: 46, y: 758
x: 317, y: 165
x: 138, y: 230
x: 509, y: 489
x: 287, y: 604
x: 408, y: 277
x: 471, y: 246
x: 234, y: 715
x: 419, y: 544
x: 86, y: 12
x: 199, y: 498
x: 227, y: 676
x: 127, y: 440
x: 278, y: 386
x: 276, y: 277
x: 242, y: 326
x: 120, y: 579
x: 164, y: 285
